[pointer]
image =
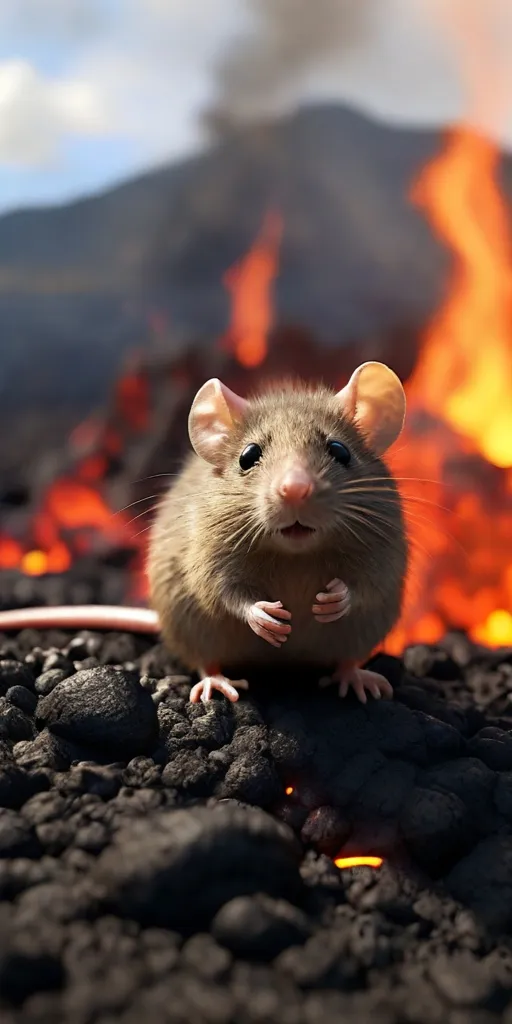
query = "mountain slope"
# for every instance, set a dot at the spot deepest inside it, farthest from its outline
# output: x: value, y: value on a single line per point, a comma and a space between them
x: 77, y: 282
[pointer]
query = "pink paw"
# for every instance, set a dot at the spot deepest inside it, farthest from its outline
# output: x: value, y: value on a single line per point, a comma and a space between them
x: 361, y: 680
x: 270, y: 621
x: 333, y: 604
x: 203, y: 690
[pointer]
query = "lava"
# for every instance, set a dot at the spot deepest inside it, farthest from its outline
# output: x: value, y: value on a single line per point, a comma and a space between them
x: 358, y: 862
x: 249, y: 282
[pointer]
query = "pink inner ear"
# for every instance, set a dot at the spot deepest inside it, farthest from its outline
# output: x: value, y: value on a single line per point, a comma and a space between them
x: 212, y: 416
x: 236, y: 405
x: 347, y: 398
x: 375, y: 400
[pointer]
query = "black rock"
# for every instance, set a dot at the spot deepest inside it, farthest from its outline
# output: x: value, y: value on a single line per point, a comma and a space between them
x: 45, y: 751
x: 494, y: 746
x: 483, y: 881
x: 102, y: 708
x: 15, y: 725
x: 13, y: 673
x: 17, y: 785
x: 252, y: 778
x: 22, y: 698
x: 47, y: 681
x: 197, y: 860
x: 259, y: 928
x: 327, y: 829
x: 17, y: 839
x: 437, y: 827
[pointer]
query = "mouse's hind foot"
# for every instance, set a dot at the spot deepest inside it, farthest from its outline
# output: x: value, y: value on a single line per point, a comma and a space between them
x: 361, y: 680
x: 212, y: 679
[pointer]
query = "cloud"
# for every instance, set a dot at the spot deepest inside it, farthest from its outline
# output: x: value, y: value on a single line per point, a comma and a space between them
x: 37, y: 113
x: 54, y: 19
x: 138, y: 71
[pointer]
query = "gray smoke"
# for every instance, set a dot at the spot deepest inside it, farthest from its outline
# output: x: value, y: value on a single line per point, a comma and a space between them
x: 287, y: 39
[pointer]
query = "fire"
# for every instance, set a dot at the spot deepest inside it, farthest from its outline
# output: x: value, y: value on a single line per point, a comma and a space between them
x: 249, y: 282
x: 357, y: 862
x: 459, y: 428
x: 465, y: 367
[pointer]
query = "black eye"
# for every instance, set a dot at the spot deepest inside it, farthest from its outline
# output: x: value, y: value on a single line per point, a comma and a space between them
x: 250, y: 456
x: 339, y: 452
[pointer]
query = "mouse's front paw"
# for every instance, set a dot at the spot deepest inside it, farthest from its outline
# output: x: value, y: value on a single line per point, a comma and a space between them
x: 270, y: 621
x: 361, y: 681
x: 333, y: 604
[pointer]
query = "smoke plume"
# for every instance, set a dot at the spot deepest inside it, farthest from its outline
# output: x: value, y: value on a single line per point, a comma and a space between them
x: 287, y: 39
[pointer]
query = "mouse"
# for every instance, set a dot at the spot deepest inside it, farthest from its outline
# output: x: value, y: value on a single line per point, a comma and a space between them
x: 282, y: 540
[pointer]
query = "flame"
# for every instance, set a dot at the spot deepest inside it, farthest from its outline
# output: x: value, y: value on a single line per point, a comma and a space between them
x: 289, y: 790
x: 73, y: 517
x: 10, y: 553
x: 356, y: 862
x: 249, y: 282
x: 459, y: 428
x: 465, y: 366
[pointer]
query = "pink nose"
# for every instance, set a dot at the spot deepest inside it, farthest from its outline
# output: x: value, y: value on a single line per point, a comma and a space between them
x: 295, y: 485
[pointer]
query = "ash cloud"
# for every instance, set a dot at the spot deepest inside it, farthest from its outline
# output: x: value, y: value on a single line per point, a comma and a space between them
x: 286, y: 39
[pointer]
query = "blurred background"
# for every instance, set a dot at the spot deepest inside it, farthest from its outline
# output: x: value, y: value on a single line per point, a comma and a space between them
x: 244, y: 188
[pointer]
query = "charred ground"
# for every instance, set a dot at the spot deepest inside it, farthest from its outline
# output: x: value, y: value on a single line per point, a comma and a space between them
x: 153, y: 867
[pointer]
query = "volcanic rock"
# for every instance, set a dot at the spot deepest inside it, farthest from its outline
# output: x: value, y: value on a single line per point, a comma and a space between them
x: 198, y: 860
x: 259, y: 928
x: 104, y: 708
x: 173, y: 862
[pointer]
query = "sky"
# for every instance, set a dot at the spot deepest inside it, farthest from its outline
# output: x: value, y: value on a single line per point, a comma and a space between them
x: 93, y: 91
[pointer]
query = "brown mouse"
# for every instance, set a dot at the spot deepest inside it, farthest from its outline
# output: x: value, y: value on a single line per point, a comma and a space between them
x: 283, y: 539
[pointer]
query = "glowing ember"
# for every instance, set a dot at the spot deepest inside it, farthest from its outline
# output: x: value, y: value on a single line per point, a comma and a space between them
x: 289, y: 790
x: 10, y: 553
x: 34, y: 563
x: 357, y: 862
x: 249, y: 282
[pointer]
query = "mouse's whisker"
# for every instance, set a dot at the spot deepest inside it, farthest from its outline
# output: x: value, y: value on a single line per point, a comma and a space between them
x: 399, y: 495
x: 370, y: 521
x: 146, y: 512
x: 367, y: 517
x: 243, y: 532
x: 148, y: 497
x: 402, y: 479
x: 347, y: 521
x: 155, y: 476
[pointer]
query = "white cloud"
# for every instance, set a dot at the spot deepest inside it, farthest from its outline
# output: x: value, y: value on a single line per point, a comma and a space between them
x: 36, y: 113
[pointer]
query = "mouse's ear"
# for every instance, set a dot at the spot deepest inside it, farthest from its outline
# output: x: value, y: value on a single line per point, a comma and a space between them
x: 214, y: 411
x: 375, y: 399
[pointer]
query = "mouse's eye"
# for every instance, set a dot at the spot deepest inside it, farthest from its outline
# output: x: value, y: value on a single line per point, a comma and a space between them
x: 339, y: 452
x: 250, y: 456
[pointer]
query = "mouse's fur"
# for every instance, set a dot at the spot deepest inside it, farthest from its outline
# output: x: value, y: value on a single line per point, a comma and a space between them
x: 213, y: 530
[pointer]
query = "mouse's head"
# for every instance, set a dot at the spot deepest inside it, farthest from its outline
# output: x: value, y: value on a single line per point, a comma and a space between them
x: 303, y: 463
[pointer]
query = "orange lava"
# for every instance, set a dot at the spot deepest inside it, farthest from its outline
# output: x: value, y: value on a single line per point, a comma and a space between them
x: 455, y: 456
x: 357, y: 862
x: 249, y: 282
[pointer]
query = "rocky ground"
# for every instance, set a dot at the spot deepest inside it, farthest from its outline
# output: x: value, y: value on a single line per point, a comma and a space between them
x: 154, y: 868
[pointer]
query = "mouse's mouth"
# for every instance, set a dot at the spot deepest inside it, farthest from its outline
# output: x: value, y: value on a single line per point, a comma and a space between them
x: 297, y: 531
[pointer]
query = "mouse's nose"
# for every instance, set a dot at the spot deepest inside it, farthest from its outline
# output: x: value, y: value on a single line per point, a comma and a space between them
x: 295, y: 485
